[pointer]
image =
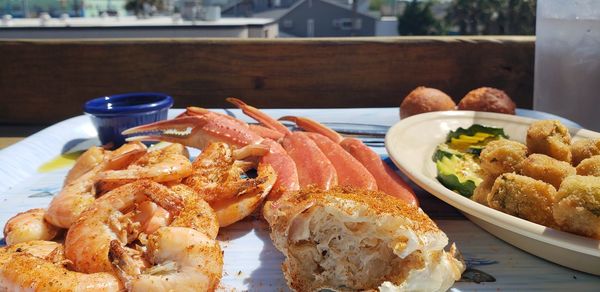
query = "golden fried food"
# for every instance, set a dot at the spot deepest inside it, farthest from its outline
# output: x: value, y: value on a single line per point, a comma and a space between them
x: 482, y: 191
x: 585, y: 148
x: 550, y: 137
x: 546, y: 168
x: 589, y: 166
x: 501, y: 156
x: 487, y: 99
x: 356, y: 240
x: 523, y: 197
x: 424, y: 99
x: 578, y: 205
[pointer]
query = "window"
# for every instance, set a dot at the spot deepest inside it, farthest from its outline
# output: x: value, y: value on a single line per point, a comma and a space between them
x: 346, y: 23
x: 288, y: 23
x: 310, y: 27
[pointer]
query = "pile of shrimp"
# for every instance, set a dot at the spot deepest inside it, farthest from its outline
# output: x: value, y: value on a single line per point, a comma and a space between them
x: 135, y: 219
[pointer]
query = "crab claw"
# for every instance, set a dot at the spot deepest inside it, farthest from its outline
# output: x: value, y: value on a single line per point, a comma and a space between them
x: 196, y: 131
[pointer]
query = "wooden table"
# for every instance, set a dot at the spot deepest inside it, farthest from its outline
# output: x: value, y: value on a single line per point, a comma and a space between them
x: 7, y: 141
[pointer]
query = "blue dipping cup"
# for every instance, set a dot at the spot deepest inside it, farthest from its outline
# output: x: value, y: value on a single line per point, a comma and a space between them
x: 113, y: 114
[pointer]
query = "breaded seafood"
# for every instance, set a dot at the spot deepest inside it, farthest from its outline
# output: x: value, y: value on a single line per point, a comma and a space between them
x: 501, y: 156
x: 546, y: 168
x: 523, y: 197
x: 348, y: 240
x: 424, y: 99
x: 589, y: 166
x: 487, y: 99
x: 550, y: 137
x: 578, y: 205
x: 585, y: 148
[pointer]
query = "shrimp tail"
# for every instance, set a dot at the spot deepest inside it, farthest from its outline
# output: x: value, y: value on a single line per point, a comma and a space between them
x: 123, y: 264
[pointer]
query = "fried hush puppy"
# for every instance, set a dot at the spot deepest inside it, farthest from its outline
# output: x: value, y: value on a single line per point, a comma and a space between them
x: 487, y: 99
x: 550, y: 137
x: 578, y: 205
x: 501, y: 156
x: 424, y: 99
x: 546, y: 168
x: 523, y: 197
x: 585, y: 148
x: 589, y: 166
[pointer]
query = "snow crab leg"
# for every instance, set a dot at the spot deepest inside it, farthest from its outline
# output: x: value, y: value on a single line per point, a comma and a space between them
x: 349, y: 171
x: 387, y: 180
x: 314, y: 168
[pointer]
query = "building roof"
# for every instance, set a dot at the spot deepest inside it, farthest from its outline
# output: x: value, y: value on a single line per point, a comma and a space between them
x: 132, y: 21
x: 279, y: 14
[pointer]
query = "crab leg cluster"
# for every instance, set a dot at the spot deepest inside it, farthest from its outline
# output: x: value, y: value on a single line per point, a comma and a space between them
x: 317, y: 157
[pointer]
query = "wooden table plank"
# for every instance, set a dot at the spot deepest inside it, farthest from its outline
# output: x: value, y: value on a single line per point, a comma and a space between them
x: 7, y: 141
x: 58, y: 76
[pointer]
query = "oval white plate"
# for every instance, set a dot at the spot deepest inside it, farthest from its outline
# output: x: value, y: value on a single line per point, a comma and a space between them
x: 411, y: 142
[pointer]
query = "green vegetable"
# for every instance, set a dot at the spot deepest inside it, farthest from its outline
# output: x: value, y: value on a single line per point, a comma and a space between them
x: 474, y: 129
x: 457, y: 160
x: 458, y: 173
x: 473, y: 139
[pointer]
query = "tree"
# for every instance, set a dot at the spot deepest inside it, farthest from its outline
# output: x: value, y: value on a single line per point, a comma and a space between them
x: 417, y: 19
x: 138, y: 5
x: 473, y: 17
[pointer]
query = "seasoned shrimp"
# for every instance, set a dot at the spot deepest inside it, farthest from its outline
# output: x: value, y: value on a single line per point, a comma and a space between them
x: 95, y: 155
x: 39, y: 266
x: 184, y: 255
x: 79, y: 195
x: 217, y: 177
x: 86, y: 162
x: 162, y: 165
x: 29, y: 225
x: 110, y: 219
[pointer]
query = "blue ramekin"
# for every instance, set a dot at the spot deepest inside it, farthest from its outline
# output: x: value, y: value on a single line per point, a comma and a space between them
x: 113, y: 114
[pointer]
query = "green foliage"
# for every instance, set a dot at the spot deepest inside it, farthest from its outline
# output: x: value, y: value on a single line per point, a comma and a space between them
x: 137, y: 6
x: 472, y: 17
x: 417, y: 19
x: 375, y: 5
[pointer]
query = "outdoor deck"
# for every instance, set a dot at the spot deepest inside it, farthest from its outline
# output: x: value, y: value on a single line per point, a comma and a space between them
x: 45, y: 81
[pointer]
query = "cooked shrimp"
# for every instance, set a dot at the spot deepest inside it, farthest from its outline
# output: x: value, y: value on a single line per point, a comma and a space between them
x: 28, y: 225
x: 39, y: 266
x: 217, y: 178
x: 120, y: 158
x: 86, y: 162
x: 184, y: 255
x: 79, y: 194
x: 163, y: 165
x: 37, y: 248
x: 106, y: 221
x: 87, y: 242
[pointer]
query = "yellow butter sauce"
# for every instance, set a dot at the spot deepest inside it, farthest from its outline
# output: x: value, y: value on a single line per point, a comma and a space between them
x: 61, y: 161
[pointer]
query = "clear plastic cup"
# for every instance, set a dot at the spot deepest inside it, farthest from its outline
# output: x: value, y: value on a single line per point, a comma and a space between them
x: 567, y: 60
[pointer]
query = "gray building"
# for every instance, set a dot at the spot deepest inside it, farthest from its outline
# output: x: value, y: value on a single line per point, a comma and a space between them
x: 325, y: 18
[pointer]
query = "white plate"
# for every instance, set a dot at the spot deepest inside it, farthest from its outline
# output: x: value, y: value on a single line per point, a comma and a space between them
x: 411, y: 143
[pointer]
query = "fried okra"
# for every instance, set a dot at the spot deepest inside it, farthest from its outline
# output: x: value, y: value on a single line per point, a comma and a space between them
x: 482, y: 191
x: 546, y: 168
x: 550, y: 137
x: 523, y: 197
x: 578, y: 205
x: 501, y: 156
x: 582, y: 149
x: 589, y: 166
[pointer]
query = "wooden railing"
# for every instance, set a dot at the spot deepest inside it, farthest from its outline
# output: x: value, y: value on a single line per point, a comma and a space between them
x: 44, y: 81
